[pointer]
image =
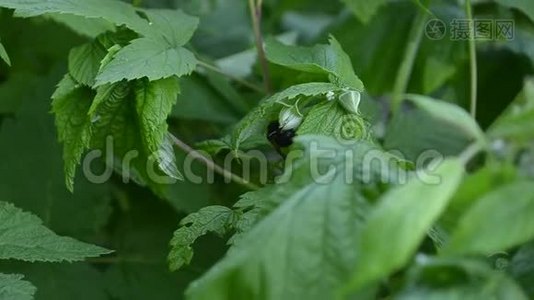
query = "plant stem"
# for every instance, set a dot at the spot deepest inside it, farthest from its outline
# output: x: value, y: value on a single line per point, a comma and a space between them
x: 470, y: 152
x: 232, y: 77
x: 210, y: 164
x: 256, y: 15
x: 410, y: 53
x: 472, y: 59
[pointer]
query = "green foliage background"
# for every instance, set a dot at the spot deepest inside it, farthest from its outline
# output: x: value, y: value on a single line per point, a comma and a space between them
x: 73, y: 73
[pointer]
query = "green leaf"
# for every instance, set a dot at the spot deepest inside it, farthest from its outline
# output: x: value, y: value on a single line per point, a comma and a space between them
x: 158, y: 55
x: 302, y: 249
x: 109, y: 91
x: 84, y: 62
x: 255, y: 123
x: 116, y: 12
x: 522, y: 267
x: 400, y: 222
x: 516, y: 122
x: 114, y: 124
x: 154, y: 102
x: 12, y: 287
x: 129, y: 120
x: 479, y: 232
x: 174, y: 26
x: 217, y: 219
x: 63, y: 281
x: 37, y: 182
x: 147, y: 57
x: 73, y: 124
x: 473, y: 187
x: 436, y: 73
x: 89, y: 27
x: 526, y: 6
x: 364, y: 10
x: 431, y: 125
x: 25, y: 238
x: 305, y: 248
x: 331, y: 119
x: 449, y: 113
x: 435, y: 278
x: 329, y: 60
x: 3, y: 55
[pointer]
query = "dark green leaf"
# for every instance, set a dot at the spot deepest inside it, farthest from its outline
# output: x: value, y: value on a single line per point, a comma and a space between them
x: 84, y: 62
x: 25, y: 238
x: 526, y: 6
x: 215, y: 219
x: 154, y: 102
x: 73, y: 124
x: 516, y: 122
x: 522, y: 267
x: 439, y: 279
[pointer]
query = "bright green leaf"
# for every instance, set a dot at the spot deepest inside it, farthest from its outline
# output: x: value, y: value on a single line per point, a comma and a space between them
x: 321, y: 59
x: 215, y: 219
x: 147, y: 57
x: 473, y: 187
x: 25, y: 238
x: 331, y: 119
x: 498, y: 221
x: 398, y: 225
x: 12, y: 287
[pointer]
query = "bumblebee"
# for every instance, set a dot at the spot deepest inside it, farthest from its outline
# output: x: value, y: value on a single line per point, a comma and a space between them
x: 279, y: 137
